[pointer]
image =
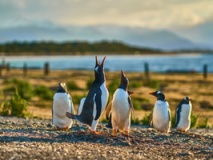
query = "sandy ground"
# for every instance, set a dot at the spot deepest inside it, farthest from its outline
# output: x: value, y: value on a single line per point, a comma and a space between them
x: 37, y: 139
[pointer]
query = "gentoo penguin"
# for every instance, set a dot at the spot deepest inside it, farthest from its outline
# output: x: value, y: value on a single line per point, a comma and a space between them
x: 109, y: 113
x: 161, y: 117
x: 95, y: 101
x: 121, y: 108
x: 183, y: 115
x: 62, y: 103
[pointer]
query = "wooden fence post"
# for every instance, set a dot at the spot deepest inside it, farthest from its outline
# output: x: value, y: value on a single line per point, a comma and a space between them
x: 46, y: 69
x: 146, y: 70
x: 8, y: 67
x: 1, y: 70
x: 205, y: 70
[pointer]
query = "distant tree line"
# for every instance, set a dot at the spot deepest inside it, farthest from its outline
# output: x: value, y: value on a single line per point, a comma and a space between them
x: 43, y: 47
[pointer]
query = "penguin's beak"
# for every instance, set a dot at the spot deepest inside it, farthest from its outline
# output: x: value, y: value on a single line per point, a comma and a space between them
x: 130, y: 92
x: 122, y: 73
x: 102, y: 63
x: 152, y: 93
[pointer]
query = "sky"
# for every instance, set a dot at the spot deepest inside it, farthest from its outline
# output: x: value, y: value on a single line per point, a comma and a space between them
x: 155, y: 14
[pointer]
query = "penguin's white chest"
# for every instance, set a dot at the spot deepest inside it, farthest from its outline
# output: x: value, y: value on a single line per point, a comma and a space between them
x: 61, y: 104
x: 104, y: 96
x: 120, y: 110
x: 161, y: 117
x: 184, y: 122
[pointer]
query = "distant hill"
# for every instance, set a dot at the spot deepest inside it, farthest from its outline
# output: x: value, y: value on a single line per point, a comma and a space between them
x: 27, y: 48
x: 134, y: 36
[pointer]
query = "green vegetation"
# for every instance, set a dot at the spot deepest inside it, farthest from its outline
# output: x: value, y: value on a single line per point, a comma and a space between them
x: 151, y: 83
x: 69, y: 47
x: 43, y: 92
x: 194, y: 120
x: 113, y: 86
x: 145, y: 120
x: 71, y: 85
x: 16, y: 106
x: 24, y: 88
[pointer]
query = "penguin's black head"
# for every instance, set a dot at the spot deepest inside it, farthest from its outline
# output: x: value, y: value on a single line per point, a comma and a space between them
x: 124, y: 81
x: 62, y: 88
x: 186, y: 100
x: 99, y: 69
x: 159, y: 95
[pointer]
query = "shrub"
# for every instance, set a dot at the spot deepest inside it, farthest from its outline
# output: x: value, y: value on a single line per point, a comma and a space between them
x: 44, y: 92
x: 151, y: 83
x: 71, y: 85
x: 24, y: 87
x: 5, y: 108
x: 145, y: 120
x: 113, y: 85
x: 135, y: 121
x: 194, y: 120
x: 16, y: 106
x: 136, y: 104
x: 204, y: 124
x: 206, y: 105
x: 135, y: 84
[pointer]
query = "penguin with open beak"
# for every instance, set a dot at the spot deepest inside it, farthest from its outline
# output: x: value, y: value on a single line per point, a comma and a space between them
x: 183, y: 115
x: 121, y: 108
x: 161, y: 117
x: 96, y: 100
x: 62, y: 103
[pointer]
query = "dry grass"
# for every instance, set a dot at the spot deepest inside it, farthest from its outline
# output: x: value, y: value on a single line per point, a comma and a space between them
x: 175, y: 87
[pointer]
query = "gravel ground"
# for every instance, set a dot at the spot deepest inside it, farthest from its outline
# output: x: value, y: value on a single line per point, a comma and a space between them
x: 37, y: 139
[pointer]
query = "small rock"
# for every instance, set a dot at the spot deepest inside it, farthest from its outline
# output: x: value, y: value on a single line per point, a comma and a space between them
x: 49, y: 125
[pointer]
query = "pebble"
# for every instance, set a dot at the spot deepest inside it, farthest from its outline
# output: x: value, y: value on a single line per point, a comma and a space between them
x: 33, y: 139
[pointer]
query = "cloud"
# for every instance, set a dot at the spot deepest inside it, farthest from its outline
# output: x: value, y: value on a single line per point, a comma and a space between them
x: 152, y: 13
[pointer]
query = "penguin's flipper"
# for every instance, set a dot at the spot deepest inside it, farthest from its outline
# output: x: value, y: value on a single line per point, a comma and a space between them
x: 70, y: 115
x: 108, y: 109
x: 177, y: 115
x: 72, y: 109
x: 169, y: 113
x: 52, y: 113
x: 150, y: 120
x: 98, y: 104
x: 131, y: 106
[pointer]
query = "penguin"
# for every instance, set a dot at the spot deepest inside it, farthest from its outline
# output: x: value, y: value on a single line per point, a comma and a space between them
x: 161, y: 116
x: 80, y: 107
x: 96, y: 100
x: 62, y: 103
x: 183, y: 115
x: 109, y: 113
x: 121, y: 108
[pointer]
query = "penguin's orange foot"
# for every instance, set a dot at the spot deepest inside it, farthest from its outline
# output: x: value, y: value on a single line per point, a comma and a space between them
x: 62, y: 129
x: 126, y: 133
x: 181, y: 130
x: 114, y: 133
x: 95, y: 132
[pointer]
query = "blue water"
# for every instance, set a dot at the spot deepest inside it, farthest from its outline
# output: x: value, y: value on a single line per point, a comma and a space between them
x: 129, y: 63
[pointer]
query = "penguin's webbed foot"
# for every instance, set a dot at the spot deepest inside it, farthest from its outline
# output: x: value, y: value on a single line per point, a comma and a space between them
x: 95, y: 132
x: 126, y: 133
x: 62, y: 129
x: 114, y: 132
